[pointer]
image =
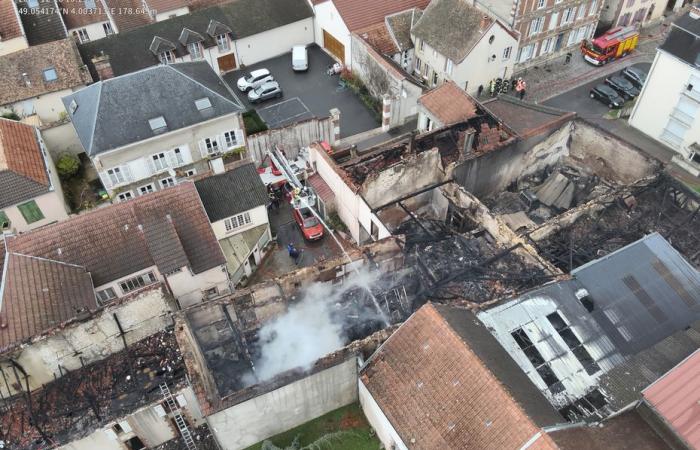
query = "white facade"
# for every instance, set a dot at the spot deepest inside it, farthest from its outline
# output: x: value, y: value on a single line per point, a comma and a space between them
x: 376, y: 418
x: 493, y: 56
x: 93, y: 31
x: 667, y: 108
x: 13, y: 45
x: 157, y: 162
x: 328, y: 18
x: 47, y: 107
x: 165, y: 15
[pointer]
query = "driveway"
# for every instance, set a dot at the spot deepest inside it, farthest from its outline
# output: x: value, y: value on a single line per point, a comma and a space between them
x: 307, y: 94
x: 578, y: 99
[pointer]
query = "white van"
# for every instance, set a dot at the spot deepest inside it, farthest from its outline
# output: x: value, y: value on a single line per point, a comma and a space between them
x: 300, y: 58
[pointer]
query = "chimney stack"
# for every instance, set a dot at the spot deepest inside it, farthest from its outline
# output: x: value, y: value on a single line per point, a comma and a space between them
x: 103, y: 67
x: 485, y: 22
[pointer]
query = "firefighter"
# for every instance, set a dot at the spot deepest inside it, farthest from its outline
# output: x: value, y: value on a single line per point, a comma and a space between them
x: 520, y: 87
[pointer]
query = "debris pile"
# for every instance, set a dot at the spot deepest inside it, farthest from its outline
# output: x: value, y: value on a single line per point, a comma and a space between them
x: 80, y: 401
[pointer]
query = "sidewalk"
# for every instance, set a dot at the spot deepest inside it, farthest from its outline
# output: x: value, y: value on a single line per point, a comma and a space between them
x: 556, y: 77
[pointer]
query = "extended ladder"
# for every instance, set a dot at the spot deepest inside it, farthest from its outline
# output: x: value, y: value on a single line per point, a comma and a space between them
x: 177, y: 415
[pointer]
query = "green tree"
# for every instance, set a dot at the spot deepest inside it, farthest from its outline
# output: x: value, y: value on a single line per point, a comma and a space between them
x: 67, y: 165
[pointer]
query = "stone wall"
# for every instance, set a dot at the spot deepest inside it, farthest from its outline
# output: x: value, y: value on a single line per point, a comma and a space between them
x: 291, y: 138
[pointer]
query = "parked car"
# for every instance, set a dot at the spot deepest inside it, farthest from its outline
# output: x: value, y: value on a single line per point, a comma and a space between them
x: 636, y: 76
x: 310, y: 226
x: 300, y: 58
x: 271, y: 89
x: 623, y: 86
x: 606, y: 94
x: 254, y: 79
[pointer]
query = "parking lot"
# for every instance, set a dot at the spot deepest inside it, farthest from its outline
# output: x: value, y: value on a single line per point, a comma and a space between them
x: 307, y: 94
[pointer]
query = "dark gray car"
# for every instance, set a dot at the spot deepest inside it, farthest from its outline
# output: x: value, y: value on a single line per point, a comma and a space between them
x: 623, y: 86
x: 271, y: 89
x: 607, y: 95
x: 636, y: 76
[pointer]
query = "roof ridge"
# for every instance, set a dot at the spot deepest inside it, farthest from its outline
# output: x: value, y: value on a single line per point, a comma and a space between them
x: 535, y: 106
x: 235, y: 103
x: 39, y: 258
x: 94, y: 122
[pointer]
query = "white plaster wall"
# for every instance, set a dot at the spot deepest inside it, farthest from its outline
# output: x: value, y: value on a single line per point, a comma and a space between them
x: 62, y: 138
x: 667, y: 79
x: 258, y: 216
x: 189, y: 288
x: 366, y: 218
x: 13, y: 45
x: 97, y: 440
x: 478, y: 68
x: 328, y: 18
x: 376, y: 418
x: 287, y: 407
x: 52, y: 206
x: 165, y: 15
x: 92, y: 340
x: 275, y: 42
x: 47, y: 107
x: 95, y: 31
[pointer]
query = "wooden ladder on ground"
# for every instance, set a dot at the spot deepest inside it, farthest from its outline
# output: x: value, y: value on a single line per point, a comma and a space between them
x: 177, y: 415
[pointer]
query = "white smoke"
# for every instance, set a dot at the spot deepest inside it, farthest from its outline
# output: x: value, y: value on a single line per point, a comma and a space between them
x: 309, y: 329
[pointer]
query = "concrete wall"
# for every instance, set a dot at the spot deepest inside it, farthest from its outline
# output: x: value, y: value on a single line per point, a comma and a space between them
x: 258, y: 216
x: 92, y: 340
x: 13, y: 45
x: 287, y: 407
x: 492, y: 172
x: 376, y: 418
x: 269, y: 44
x: 47, y: 107
x: 328, y: 18
x: 290, y: 138
x: 61, y: 137
x: 189, y: 288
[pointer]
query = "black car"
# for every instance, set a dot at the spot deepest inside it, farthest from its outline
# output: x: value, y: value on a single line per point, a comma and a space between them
x: 636, y: 76
x: 623, y: 86
x: 607, y: 95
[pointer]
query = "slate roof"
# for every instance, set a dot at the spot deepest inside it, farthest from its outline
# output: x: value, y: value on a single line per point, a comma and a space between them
x: 399, y: 26
x: 231, y: 193
x: 359, y: 14
x: 10, y: 24
x: 683, y: 40
x: 216, y: 28
x: 43, y: 24
x: 526, y: 119
x: 452, y: 27
x: 62, y: 55
x: 125, y: 238
x: 188, y: 36
x: 444, y: 382
x: 130, y: 52
x: 22, y: 167
x: 676, y: 396
x: 449, y: 104
x: 115, y: 112
x: 39, y: 294
x: 160, y: 45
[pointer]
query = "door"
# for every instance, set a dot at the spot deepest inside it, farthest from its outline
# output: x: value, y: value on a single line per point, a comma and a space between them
x: 334, y: 46
x: 227, y: 62
x: 557, y: 43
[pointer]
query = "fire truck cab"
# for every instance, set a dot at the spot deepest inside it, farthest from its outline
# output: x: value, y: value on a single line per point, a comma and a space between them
x: 615, y: 43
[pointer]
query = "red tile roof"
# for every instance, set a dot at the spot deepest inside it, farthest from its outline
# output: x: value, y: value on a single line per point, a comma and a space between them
x: 161, y: 6
x: 439, y: 394
x: 379, y: 38
x: 676, y: 398
x: 39, y: 294
x: 75, y: 13
x: 20, y: 151
x: 10, y: 25
x: 359, y: 14
x: 113, y: 242
x: 449, y: 104
x: 128, y: 14
x: 321, y: 187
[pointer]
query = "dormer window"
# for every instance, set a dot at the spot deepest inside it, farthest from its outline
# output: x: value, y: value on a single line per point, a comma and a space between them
x: 33, y: 4
x: 195, y: 50
x: 223, y: 43
x: 73, y: 107
x: 167, y: 57
x: 158, y: 125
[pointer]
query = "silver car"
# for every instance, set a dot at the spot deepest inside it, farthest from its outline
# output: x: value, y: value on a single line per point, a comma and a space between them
x: 271, y: 89
x: 254, y: 79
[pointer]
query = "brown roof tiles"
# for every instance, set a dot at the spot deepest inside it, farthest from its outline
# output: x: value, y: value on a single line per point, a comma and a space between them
x: 20, y: 151
x: 449, y: 104
x: 359, y: 14
x: 438, y: 392
x: 379, y: 38
x: 76, y: 15
x: 10, y: 25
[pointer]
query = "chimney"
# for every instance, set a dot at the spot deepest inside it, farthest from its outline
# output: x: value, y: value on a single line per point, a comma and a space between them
x: 103, y: 67
x: 485, y: 22
x: 217, y: 165
x: 695, y: 12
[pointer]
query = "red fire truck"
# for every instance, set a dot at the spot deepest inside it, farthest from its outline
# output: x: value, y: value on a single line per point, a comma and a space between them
x: 616, y: 43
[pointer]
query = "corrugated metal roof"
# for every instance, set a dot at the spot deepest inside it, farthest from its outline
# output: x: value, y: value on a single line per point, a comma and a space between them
x: 676, y: 396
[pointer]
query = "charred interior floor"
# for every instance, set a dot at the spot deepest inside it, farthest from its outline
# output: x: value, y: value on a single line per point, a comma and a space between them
x: 663, y: 205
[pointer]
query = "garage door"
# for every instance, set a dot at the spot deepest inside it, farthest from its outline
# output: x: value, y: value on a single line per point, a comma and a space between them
x: 227, y: 62
x: 334, y: 46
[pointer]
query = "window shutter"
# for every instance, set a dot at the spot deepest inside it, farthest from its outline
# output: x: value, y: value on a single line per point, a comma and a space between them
x: 186, y: 154
x: 171, y: 158
x: 104, y: 177
x: 30, y: 211
x: 126, y: 170
x: 203, y: 149
x: 240, y: 138
x: 150, y: 164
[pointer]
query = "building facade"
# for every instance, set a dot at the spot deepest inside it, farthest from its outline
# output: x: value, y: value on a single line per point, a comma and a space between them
x: 667, y: 108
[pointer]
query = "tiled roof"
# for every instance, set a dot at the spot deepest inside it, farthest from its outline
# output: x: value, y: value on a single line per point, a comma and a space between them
x: 62, y: 55
x: 321, y: 188
x: 22, y: 169
x: 359, y: 14
x: 400, y: 27
x: 113, y: 242
x: 128, y: 14
x: 452, y: 27
x: 75, y: 13
x: 161, y: 6
x: 10, y: 25
x: 438, y: 391
x: 526, y: 119
x: 449, y: 104
x: 676, y: 398
x: 233, y: 192
x: 42, y: 24
x: 38, y: 294
x: 379, y: 38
